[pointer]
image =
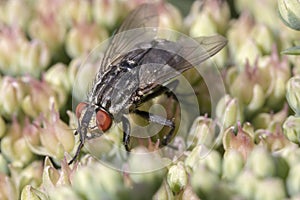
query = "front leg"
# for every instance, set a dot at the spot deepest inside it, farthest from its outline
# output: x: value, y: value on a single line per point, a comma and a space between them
x: 126, y: 133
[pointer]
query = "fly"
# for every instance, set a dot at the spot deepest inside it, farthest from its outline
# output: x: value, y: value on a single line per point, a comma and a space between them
x: 127, y: 80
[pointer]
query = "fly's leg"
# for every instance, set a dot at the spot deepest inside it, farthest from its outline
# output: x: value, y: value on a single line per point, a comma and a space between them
x: 81, y: 143
x: 159, y: 120
x: 126, y: 133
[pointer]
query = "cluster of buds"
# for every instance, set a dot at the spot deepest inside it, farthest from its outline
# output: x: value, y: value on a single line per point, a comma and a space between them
x: 19, y: 56
x: 266, y: 89
x: 29, y: 96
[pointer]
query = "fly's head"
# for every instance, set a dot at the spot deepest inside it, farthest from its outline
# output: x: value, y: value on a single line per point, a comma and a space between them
x: 93, y: 120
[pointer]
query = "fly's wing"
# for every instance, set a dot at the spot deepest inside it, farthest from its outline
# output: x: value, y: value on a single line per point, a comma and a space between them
x: 126, y: 37
x: 175, y: 58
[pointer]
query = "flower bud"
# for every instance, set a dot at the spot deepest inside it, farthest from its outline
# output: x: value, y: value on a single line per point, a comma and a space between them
x: 56, y: 76
x: 8, y: 189
x: 14, y: 146
x: 18, y: 13
x: 30, y: 193
x: 291, y: 128
x: 289, y: 13
x: 11, y: 40
x: 293, y: 94
x: 2, y: 127
x: 169, y: 16
x: 3, y: 165
x: 12, y: 93
x: 228, y: 111
x: 233, y: 164
x: 292, y: 182
x: 202, y: 156
x: 50, y: 30
x: 34, y: 58
x: 177, y: 177
x: 242, y: 141
x: 108, y: 13
x: 76, y: 12
x: 93, y: 185
x: 269, y: 189
x: 246, y: 184
x: 82, y: 38
x: 215, y: 12
x: 263, y: 37
x: 204, y: 183
x: 269, y: 120
x: 261, y: 162
x: 202, y: 132
x: 65, y: 192
x: 40, y: 97
x: 164, y: 192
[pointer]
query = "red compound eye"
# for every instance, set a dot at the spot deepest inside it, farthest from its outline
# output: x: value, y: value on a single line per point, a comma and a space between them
x: 103, y: 120
x: 80, y: 107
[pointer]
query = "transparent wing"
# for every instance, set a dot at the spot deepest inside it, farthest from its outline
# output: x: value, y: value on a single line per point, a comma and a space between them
x: 126, y: 37
x: 176, y: 57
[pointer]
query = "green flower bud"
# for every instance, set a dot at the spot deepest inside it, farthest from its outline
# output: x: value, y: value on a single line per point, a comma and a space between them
x: 270, y: 120
x: 169, y: 16
x: 270, y: 189
x: 12, y: 92
x: 18, y: 13
x: 216, y: 13
x: 246, y: 184
x: 31, y: 175
x: 3, y: 165
x: 63, y: 193
x: 233, y: 164
x: 291, y: 129
x: 228, y: 111
x: 56, y: 76
x: 2, y: 127
x: 164, y: 192
x: 177, y: 177
x: 202, y: 132
x: 189, y: 194
x: 30, y: 193
x: 77, y: 12
x: 8, y: 189
x: 289, y: 13
x: 263, y: 37
x: 202, y: 156
x: 108, y: 13
x: 14, y: 146
x: 50, y: 30
x: 292, y: 182
x: 91, y: 185
x: 293, y: 95
x: 11, y: 40
x: 261, y: 162
x: 205, y: 183
x: 40, y: 97
x: 243, y: 141
x: 82, y: 38
x: 34, y: 58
